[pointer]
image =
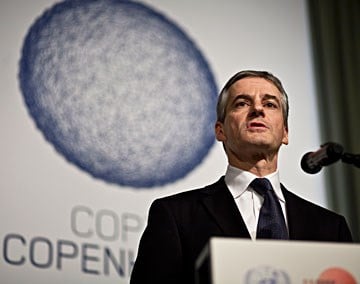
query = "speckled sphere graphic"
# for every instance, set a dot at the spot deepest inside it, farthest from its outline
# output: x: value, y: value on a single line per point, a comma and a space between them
x: 119, y: 90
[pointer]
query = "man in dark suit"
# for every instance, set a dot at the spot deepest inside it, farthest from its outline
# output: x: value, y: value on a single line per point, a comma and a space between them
x: 252, y: 114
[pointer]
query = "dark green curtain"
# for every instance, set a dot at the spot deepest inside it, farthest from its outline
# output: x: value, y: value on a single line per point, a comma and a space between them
x: 335, y: 30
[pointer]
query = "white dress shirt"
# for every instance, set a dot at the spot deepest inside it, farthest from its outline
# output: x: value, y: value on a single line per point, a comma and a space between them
x: 247, y: 200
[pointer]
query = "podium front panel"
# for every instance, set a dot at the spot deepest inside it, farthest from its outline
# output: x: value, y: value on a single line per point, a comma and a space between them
x: 228, y: 260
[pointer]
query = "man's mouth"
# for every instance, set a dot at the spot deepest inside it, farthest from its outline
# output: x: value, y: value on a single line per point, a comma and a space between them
x: 256, y: 125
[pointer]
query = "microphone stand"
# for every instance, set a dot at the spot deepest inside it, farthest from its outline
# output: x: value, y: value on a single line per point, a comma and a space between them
x: 351, y: 159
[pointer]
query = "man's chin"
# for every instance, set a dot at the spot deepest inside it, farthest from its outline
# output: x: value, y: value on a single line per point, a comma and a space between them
x: 262, y: 144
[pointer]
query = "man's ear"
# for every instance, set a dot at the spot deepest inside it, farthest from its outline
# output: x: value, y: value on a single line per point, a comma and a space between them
x: 285, y: 139
x: 219, y: 132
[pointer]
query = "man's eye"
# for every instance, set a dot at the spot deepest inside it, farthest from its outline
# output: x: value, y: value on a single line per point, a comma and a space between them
x: 271, y: 105
x: 241, y: 104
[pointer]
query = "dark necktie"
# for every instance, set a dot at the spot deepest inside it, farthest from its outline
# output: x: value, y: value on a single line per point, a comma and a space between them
x: 271, y: 224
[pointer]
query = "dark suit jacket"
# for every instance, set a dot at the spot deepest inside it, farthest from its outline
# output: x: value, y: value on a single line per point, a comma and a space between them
x: 179, y: 226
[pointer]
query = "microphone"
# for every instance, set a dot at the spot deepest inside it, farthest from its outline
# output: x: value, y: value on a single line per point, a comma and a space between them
x: 312, y: 162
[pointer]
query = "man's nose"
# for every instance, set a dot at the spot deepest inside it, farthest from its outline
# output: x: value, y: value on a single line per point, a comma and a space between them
x: 257, y: 110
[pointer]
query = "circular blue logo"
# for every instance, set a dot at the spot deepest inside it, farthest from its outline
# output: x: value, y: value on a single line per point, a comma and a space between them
x: 119, y: 90
x: 266, y: 275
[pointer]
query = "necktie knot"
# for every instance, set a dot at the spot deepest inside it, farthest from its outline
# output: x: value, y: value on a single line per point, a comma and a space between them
x: 261, y: 185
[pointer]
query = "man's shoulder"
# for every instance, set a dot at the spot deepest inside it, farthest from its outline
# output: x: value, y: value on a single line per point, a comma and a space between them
x: 311, y: 221
x: 193, y: 194
x: 300, y: 203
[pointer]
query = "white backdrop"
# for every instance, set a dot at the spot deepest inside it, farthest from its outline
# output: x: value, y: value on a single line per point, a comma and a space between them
x: 59, y: 224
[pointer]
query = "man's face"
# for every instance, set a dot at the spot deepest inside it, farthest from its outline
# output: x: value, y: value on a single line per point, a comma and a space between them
x: 254, y: 118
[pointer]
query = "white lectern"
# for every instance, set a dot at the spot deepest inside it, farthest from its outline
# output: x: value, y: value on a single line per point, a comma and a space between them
x: 228, y: 260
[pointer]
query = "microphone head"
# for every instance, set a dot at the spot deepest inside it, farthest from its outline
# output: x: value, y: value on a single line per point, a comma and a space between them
x: 308, y: 167
x: 329, y: 153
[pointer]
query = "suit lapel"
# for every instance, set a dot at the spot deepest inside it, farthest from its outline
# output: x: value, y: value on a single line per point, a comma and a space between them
x: 296, y: 219
x: 222, y: 208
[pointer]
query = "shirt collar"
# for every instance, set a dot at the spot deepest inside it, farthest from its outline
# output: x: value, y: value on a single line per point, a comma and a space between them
x: 238, y: 181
